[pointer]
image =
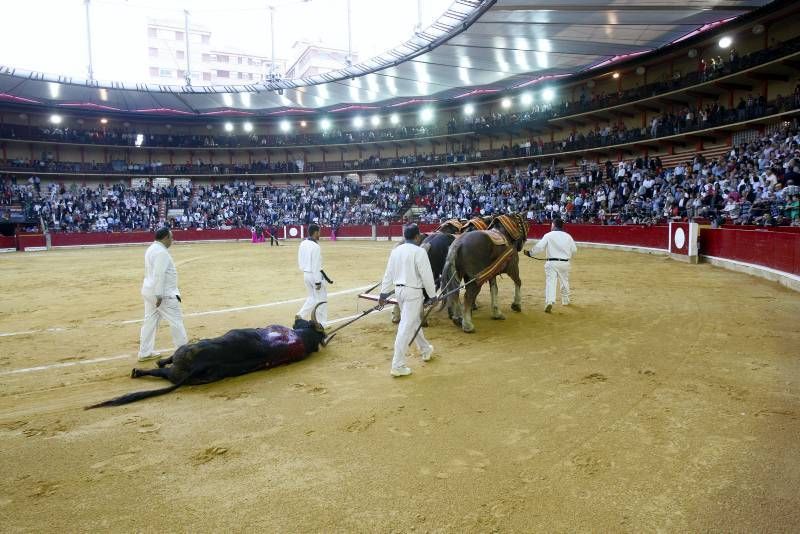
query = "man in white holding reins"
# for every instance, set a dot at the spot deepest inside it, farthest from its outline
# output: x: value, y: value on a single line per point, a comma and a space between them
x: 409, y: 271
x: 559, y: 248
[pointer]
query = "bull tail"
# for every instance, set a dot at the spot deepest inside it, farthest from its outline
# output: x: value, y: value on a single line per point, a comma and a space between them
x: 138, y: 395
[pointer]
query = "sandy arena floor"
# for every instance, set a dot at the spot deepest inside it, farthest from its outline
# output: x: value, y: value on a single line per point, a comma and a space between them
x: 665, y: 399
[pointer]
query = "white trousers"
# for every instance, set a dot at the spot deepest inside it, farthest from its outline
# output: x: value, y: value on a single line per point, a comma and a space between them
x: 170, y: 311
x: 410, y: 301
x: 314, y: 296
x: 556, y: 270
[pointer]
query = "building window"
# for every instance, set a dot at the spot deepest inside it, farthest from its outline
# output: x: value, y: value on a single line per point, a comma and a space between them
x: 206, y: 76
x: 181, y: 74
x: 241, y: 60
x: 223, y: 74
x: 152, y: 33
x: 212, y: 57
x: 154, y: 72
x: 180, y: 54
x: 205, y: 39
x: 179, y: 36
x: 222, y: 59
x: 250, y: 76
x: 165, y: 73
x: 206, y: 58
x: 257, y: 62
x: 153, y: 51
x: 241, y: 75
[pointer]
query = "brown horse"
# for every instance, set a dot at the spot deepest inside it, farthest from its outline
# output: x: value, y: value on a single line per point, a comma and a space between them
x: 480, y: 256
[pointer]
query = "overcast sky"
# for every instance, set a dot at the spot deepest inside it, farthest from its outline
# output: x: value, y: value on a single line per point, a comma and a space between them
x: 49, y: 35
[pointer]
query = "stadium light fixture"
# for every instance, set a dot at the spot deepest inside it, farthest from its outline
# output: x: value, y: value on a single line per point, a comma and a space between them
x: 285, y: 126
x: 139, y: 140
x: 548, y: 94
x: 615, y: 75
x: 103, y: 121
x: 506, y: 103
x: 426, y: 114
x: 55, y: 119
x: 375, y: 120
x: 725, y: 42
x: 526, y: 98
x: 228, y: 126
x: 394, y: 118
x: 325, y: 124
x: 302, y: 124
x: 358, y: 121
x: 469, y: 109
x: 103, y: 95
x: 228, y: 99
x: 55, y: 89
x: 248, y: 127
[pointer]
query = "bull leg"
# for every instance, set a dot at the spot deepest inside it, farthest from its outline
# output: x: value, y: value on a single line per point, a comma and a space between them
x: 165, y: 361
x: 496, y: 313
x: 470, y: 294
x: 158, y: 372
x: 395, y: 314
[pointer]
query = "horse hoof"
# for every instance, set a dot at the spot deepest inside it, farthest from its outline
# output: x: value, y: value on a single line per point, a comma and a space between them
x: 456, y: 321
x: 516, y: 307
x: 135, y: 373
x: 469, y: 331
x: 499, y: 317
x: 424, y: 324
x: 395, y: 321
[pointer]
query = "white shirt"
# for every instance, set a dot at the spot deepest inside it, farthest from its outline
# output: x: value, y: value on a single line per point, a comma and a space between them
x: 558, y: 243
x: 309, y: 259
x: 160, y: 274
x: 409, y: 266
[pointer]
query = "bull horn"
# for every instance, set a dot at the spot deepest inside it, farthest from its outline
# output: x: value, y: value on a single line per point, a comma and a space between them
x: 327, y: 340
x: 314, y: 311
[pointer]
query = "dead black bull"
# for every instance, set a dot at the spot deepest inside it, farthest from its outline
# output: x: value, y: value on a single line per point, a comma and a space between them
x: 235, y: 353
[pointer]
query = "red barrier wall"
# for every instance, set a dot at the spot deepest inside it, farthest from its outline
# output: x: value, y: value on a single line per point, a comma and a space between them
x: 776, y: 250
x: 395, y: 231
x: 114, y: 238
x: 355, y: 231
x: 30, y: 240
x: 630, y: 235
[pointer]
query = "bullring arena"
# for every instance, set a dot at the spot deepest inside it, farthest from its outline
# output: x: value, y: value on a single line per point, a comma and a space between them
x: 642, y: 406
x: 665, y: 137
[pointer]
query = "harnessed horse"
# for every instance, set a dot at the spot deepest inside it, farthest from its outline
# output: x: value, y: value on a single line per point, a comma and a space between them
x: 481, y: 256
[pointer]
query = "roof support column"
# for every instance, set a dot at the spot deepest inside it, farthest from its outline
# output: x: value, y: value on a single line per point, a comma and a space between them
x: 89, y: 40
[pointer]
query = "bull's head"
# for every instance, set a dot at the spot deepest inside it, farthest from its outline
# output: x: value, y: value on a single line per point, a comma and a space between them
x: 312, y: 332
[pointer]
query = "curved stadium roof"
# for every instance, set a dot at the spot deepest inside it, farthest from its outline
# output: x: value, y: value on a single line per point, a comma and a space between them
x: 476, y: 47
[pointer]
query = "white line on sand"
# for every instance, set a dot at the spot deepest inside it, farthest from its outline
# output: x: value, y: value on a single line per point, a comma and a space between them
x: 160, y: 351
x: 198, y: 314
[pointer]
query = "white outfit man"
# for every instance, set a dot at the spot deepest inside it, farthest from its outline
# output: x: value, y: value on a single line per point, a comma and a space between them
x: 309, y: 259
x: 162, y: 300
x: 409, y: 270
x: 559, y: 247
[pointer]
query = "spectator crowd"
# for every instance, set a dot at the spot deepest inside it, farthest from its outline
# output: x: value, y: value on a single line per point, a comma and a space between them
x: 753, y: 183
